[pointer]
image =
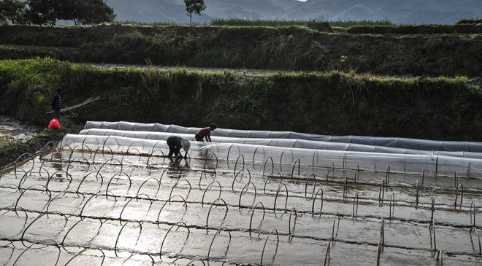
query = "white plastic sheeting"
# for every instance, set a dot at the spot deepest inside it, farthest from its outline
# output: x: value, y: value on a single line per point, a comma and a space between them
x: 406, y: 143
x: 288, y: 143
x: 284, y: 157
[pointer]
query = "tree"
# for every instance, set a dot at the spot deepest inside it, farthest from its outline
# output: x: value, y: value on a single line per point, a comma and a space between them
x: 194, y: 6
x: 98, y: 11
x: 13, y: 10
x: 90, y: 12
x: 44, y: 11
x: 80, y: 11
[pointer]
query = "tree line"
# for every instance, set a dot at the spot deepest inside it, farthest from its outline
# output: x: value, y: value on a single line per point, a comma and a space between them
x: 48, y: 12
x: 81, y: 12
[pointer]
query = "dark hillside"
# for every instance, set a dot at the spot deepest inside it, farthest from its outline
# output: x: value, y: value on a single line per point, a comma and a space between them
x: 405, y: 50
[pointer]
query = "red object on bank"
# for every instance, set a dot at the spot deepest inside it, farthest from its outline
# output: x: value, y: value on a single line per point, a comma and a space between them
x: 54, y: 123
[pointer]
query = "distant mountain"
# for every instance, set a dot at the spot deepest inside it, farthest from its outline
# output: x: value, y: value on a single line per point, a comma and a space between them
x: 397, y: 11
x: 149, y: 11
x: 245, y: 9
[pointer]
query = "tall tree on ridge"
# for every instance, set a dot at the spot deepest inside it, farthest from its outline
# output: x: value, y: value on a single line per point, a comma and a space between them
x: 194, y: 6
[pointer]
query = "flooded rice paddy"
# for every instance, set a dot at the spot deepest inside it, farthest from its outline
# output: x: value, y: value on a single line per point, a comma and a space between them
x: 13, y: 131
x: 105, y: 205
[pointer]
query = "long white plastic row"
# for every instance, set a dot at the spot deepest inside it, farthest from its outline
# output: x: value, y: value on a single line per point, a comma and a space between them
x: 258, y: 149
x: 407, y: 143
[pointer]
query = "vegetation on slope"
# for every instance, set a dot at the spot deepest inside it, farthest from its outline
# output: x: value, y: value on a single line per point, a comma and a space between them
x: 281, y: 48
x: 324, y: 103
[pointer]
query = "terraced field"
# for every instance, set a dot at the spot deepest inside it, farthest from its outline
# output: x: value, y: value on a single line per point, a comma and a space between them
x: 100, y: 203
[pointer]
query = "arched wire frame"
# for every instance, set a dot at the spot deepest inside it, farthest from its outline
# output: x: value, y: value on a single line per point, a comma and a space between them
x: 208, y: 187
x: 314, y: 200
x: 229, y: 152
x: 158, y: 183
x: 245, y: 189
x: 214, y: 204
x: 253, y: 209
x: 291, y: 229
x: 20, y: 159
x: 264, y: 170
x: 477, y: 252
x: 212, y: 241
x: 307, y: 181
x: 169, y: 201
x: 120, y: 232
x: 151, y: 155
x: 47, y: 147
x: 178, y: 226
x: 236, y: 164
x: 204, y: 173
x: 277, y: 193
x: 176, y: 184
x: 71, y: 229
x: 264, y: 246
x: 263, y: 153
x: 236, y: 178
x: 281, y: 158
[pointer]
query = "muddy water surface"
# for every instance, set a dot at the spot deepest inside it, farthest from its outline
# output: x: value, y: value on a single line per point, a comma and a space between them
x: 12, y: 131
x: 113, y: 209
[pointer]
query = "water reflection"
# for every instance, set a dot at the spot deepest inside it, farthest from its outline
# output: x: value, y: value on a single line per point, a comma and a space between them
x: 12, y: 130
x: 57, y: 159
x: 177, y: 166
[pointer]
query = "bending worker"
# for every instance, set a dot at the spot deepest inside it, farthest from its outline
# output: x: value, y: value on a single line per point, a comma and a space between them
x: 175, y: 143
x: 205, y: 133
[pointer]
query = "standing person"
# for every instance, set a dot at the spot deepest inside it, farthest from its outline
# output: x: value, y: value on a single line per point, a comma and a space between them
x: 205, y: 133
x: 57, y: 103
x: 175, y: 144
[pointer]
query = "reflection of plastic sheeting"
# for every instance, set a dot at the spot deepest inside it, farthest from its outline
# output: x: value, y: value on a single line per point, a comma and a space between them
x: 206, y: 151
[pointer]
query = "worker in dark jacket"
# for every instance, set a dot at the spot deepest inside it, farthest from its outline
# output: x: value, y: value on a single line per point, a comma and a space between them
x: 57, y: 103
x: 175, y: 144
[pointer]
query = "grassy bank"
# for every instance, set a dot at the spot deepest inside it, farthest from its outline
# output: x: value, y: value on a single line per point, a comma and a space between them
x: 424, y: 50
x: 279, y: 23
x: 332, y: 103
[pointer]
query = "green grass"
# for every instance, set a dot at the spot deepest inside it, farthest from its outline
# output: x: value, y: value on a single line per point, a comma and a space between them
x: 168, y: 23
x: 350, y: 23
x: 30, y: 69
x: 266, y: 23
x: 37, y: 79
x: 259, y: 23
x: 284, y: 23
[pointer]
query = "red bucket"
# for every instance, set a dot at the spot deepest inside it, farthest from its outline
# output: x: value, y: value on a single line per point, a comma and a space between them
x: 54, y: 123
